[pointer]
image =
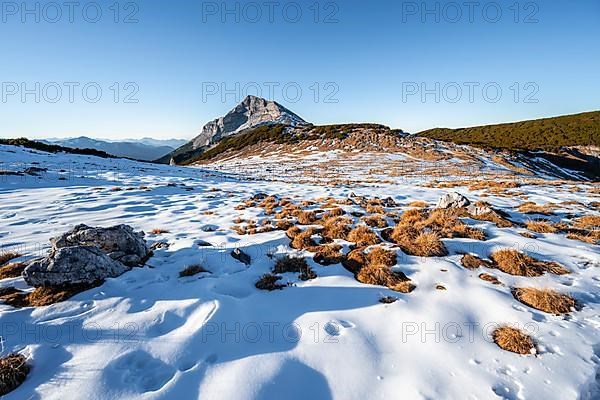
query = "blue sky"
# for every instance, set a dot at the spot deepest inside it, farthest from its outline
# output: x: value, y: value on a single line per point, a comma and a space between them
x: 166, y: 68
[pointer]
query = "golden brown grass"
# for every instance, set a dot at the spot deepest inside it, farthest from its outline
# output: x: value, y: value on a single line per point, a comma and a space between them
x: 415, y: 243
x: 591, y: 237
x: 588, y: 222
x: 158, y: 231
x: 335, y: 212
x: 419, y: 204
x: 381, y: 256
x: 307, y: 217
x: 470, y: 261
x: 45, y: 295
x: 12, y: 270
x: 541, y: 226
x: 13, y: 371
x: 514, y: 340
x: 516, y: 263
x: 191, y: 270
x: 530, y: 207
x: 284, y: 224
x: 355, y: 260
x: 382, y: 275
x: 374, y: 209
x: 363, y: 236
x: 336, y: 228
x: 490, y: 278
x: 327, y: 254
x: 7, y: 256
x: 293, y: 231
x: 546, y: 300
x: 303, y: 240
x: 375, y: 221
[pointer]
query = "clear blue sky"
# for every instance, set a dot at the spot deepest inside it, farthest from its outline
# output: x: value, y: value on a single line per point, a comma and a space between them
x: 372, y: 57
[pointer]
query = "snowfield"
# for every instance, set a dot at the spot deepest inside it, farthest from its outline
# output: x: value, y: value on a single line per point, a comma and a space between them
x: 150, y: 334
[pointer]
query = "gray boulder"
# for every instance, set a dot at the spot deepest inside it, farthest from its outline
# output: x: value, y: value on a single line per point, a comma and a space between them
x: 73, y: 265
x: 453, y: 200
x: 119, y: 242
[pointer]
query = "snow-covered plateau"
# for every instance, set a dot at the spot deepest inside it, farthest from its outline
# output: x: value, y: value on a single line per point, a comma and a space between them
x: 151, y: 334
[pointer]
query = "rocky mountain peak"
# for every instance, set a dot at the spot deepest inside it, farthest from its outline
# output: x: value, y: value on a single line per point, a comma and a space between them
x: 250, y: 113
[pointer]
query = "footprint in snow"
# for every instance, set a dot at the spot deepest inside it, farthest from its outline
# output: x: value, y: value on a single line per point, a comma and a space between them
x: 139, y: 372
x: 335, y: 328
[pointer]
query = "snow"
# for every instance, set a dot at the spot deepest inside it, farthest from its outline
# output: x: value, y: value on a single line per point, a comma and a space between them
x: 150, y: 334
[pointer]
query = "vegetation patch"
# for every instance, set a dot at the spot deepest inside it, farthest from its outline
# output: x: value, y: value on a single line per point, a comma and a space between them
x: 547, y: 300
x: 13, y: 372
x: 513, y: 340
x: 191, y: 270
x: 516, y: 263
x: 269, y: 282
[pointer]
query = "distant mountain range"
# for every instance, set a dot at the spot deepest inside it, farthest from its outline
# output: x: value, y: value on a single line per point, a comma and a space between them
x: 251, y: 113
x: 146, y: 149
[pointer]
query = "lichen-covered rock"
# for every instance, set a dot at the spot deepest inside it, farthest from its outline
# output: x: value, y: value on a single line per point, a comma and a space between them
x: 73, y: 265
x: 453, y: 200
x: 119, y: 242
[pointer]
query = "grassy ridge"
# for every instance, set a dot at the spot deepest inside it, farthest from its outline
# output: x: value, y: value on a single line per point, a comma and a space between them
x: 548, y: 134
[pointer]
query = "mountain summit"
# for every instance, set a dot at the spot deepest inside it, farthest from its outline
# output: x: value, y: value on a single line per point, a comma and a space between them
x: 252, y: 112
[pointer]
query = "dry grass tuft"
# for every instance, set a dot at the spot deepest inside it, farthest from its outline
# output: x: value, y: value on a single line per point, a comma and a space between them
x: 158, y: 231
x: 269, y: 282
x: 303, y: 240
x: 470, y: 261
x: 284, y: 224
x: 546, y: 300
x: 289, y: 264
x: 516, y: 263
x: 381, y: 256
x: 355, y: 260
x: 375, y: 221
x: 327, y: 254
x: 423, y: 245
x: 7, y: 256
x: 45, y: 295
x: 534, y: 208
x: 335, y: 212
x: 336, y: 228
x: 588, y: 222
x: 490, y: 278
x: 191, y: 270
x: 419, y: 204
x: 12, y: 270
x: 541, y: 226
x: 307, y: 218
x: 514, y: 340
x: 591, y: 237
x: 13, y: 371
x: 293, y: 231
x: 374, y: 209
x: 382, y: 275
x: 363, y: 236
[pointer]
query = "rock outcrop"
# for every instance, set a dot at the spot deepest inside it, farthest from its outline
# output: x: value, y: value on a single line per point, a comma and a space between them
x: 453, y: 200
x: 87, y: 255
x: 73, y: 265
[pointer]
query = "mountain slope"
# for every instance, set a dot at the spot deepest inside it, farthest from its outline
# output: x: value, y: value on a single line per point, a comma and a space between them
x: 548, y: 134
x: 135, y: 150
x: 250, y: 113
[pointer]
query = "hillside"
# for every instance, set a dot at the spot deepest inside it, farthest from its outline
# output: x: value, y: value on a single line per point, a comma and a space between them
x: 548, y: 134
